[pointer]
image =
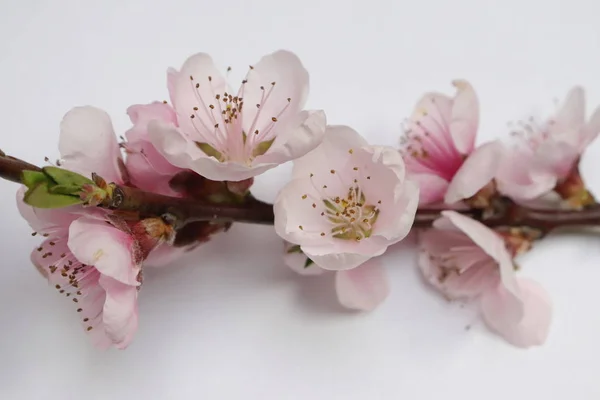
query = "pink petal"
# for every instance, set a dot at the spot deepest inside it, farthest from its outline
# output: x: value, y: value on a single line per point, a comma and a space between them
x: 304, y: 133
x: 141, y: 114
x: 107, y: 248
x: 521, y: 177
x: 476, y: 172
x: 362, y: 288
x: 557, y: 158
x: 198, y: 70
x: 591, y: 129
x: 172, y: 74
x: 490, y: 242
x: 333, y: 151
x: 47, y: 220
x: 147, y: 168
x: 280, y: 76
x: 571, y: 114
x: 479, y: 277
x: 525, y: 329
x: 88, y: 144
x: 465, y: 117
x: 296, y: 220
x: 120, y: 312
x: 338, y: 261
x: 432, y: 188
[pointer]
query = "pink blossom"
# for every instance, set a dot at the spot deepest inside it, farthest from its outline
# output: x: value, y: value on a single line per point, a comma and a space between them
x: 88, y: 144
x: 544, y: 154
x: 227, y: 136
x: 147, y: 168
x: 439, y: 137
x: 462, y: 258
x: 92, y: 263
x: 362, y: 288
x: 347, y: 201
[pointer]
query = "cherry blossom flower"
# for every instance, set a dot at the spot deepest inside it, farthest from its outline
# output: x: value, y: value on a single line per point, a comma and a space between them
x: 544, y: 154
x: 362, y: 288
x: 464, y: 259
x: 347, y: 201
x: 92, y: 263
x: 227, y: 136
x: 438, y: 147
x: 147, y: 168
x: 90, y: 256
x: 88, y: 144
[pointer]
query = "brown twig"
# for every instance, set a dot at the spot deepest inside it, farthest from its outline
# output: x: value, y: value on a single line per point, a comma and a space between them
x: 184, y: 211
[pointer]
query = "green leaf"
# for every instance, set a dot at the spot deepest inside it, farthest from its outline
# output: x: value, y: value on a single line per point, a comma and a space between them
x: 308, y: 262
x: 65, y: 177
x: 32, y: 178
x: 73, y: 190
x: 294, y: 249
x: 210, y: 151
x: 262, y: 148
x: 39, y: 196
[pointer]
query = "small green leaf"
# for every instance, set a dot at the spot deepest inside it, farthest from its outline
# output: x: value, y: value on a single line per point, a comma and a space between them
x: 32, y: 178
x: 262, y: 148
x: 210, y: 151
x: 73, y: 190
x: 294, y: 249
x: 65, y: 177
x: 308, y: 262
x: 40, y: 197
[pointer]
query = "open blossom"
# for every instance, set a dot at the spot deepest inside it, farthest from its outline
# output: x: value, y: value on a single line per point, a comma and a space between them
x: 94, y: 264
x: 147, y: 168
x: 347, y: 201
x: 362, y: 288
x: 90, y: 256
x: 464, y: 259
x: 438, y: 147
x: 545, y: 154
x: 88, y: 144
x: 224, y: 135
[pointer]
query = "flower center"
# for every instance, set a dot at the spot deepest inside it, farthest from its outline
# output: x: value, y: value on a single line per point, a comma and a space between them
x: 531, y: 132
x: 427, y: 145
x: 218, y: 120
x: 351, y: 217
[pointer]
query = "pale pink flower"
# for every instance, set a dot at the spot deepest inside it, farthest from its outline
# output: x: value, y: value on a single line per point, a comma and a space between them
x: 92, y: 263
x: 227, y: 136
x: 88, y: 144
x: 347, y: 201
x: 147, y: 168
x: 466, y: 260
x: 439, y: 137
x: 362, y: 288
x: 543, y: 154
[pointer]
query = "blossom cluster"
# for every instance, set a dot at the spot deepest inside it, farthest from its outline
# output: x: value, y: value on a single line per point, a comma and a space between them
x: 346, y: 203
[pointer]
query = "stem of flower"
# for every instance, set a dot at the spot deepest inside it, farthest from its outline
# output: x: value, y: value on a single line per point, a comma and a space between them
x: 183, y: 211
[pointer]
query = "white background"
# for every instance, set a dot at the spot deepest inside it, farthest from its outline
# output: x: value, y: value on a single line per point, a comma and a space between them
x: 229, y: 321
